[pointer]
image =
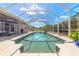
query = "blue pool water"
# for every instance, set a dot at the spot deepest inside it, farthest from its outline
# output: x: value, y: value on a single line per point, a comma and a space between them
x: 40, y: 43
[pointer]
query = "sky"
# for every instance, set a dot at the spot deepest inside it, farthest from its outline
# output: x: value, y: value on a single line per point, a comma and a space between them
x: 47, y: 13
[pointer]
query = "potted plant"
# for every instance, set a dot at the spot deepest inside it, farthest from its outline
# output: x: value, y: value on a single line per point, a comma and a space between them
x: 75, y: 37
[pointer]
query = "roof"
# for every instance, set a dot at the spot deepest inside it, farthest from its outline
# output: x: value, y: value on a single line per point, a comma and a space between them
x: 10, y: 15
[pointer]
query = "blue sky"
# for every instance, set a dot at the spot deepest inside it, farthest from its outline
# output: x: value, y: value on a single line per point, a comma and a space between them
x: 50, y: 13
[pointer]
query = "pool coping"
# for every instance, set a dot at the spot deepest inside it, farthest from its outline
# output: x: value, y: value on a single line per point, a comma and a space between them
x: 66, y: 39
x: 18, y: 37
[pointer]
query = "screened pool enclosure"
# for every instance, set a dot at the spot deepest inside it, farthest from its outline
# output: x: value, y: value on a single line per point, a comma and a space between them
x: 57, y: 17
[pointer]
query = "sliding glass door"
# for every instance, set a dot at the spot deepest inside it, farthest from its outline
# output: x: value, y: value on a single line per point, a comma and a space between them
x: 6, y: 27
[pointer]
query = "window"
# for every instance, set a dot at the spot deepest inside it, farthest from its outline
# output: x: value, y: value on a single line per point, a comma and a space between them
x: 6, y: 26
x: 0, y: 25
x: 12, y: 28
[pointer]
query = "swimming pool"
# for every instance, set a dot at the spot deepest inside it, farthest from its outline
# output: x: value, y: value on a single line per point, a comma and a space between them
x: 40, y: 43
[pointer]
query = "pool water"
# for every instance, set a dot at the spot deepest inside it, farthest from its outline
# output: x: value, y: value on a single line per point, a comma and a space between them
x: 40, y: 43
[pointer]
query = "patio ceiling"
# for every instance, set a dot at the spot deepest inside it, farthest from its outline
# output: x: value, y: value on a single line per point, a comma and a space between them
x: 49, y: 13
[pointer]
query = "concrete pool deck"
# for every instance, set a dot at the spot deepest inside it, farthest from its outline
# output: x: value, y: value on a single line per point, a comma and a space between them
x: 8, y: 47
x: 68, y: 48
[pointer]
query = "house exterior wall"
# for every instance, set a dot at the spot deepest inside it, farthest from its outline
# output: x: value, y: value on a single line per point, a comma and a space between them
x: 17, y: 27
x: 78, y: 24
x: 0, y: 26
x: 75, y: 24
x: 10, y: 28
x: 11, y: 25
x: 23, y: 27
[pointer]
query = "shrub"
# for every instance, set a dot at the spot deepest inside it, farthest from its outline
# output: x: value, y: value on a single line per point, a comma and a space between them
x: 74, y: 36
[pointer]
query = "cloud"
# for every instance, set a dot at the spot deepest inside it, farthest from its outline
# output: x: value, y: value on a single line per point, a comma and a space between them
x: 64, y: 17
x: 37, y: 24
x: 34, y: 10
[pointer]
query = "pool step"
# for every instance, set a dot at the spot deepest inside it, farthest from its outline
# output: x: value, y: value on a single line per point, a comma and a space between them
x: 68, y: 49
x: 10, y: 50
x: 36, y: 54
